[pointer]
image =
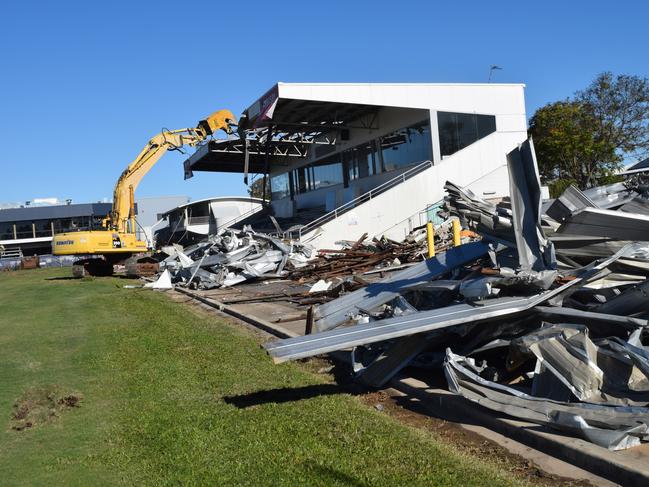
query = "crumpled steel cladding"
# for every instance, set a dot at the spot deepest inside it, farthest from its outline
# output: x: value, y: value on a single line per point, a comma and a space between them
x: 544, y: 319
x: 231, y: 257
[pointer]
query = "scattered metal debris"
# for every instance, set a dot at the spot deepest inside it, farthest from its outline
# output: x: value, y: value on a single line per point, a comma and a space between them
x: 362, y: 256
x: 347, y: 307
x: 163, y: 282
x: 544, y: 319
x: 231, y: 257
x: 234, y: 256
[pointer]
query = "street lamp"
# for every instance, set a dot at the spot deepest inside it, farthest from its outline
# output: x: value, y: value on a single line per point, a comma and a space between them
x: 492, y: 69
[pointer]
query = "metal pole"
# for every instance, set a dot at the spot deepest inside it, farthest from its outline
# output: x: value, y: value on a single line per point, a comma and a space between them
x: 430, y: 236
x: 308, y: 329
x: 269, y: 136
x: 246, y: 160
x: 457, y: 241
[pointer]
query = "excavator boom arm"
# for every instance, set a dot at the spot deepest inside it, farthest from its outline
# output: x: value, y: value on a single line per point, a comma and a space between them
x: 122, y: 217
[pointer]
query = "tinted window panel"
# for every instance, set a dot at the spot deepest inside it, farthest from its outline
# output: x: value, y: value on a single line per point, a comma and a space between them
x: 361, y: 161
x: 279, y: 186
x: 486, y: 125
x: 6, y: 231
x: 302, y: 179
x: 447, y: 125
x: 467, y: 129
x: 406, y: 146
x: 327, y: 175
x: 459, y: 130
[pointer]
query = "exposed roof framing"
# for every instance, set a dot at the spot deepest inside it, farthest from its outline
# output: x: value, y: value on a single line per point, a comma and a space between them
x: 295, y: 126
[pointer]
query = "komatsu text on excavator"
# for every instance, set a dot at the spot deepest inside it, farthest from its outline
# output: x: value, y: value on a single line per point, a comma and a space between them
x: 116, y: 240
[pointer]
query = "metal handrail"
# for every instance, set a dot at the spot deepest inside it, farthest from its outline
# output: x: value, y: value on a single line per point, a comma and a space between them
x: 418, y: 214
x: 333, y: 214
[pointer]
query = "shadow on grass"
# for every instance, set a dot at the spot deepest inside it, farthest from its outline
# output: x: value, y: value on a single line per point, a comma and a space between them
x: 343, y: 384
x: 324, y: 472
x: 283, y: 394
x: 90, y: 278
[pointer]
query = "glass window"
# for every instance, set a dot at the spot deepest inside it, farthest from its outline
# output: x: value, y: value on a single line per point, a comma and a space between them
x: 202, y: 209
x: 175, y: 218
x: 327, y: 175
x: 63, y: 225
x: 459, y: 130
x: 301, y: 178
x: 406, y: 146
x: 486, y: 125
x: 43, y: 228
x: 361, y: 161
x: 279, y: 186
x: 24, y: 230
x: 6, y: 231
x: 96, y: 221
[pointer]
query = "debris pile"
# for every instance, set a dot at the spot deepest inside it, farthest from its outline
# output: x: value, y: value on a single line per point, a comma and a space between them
x: 520, y: 322
x: 231, y: 257
x: 582, y: 225
x: 362, y: 256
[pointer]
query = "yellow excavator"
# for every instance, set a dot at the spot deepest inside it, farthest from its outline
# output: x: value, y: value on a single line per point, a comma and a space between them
x: 116, y: 240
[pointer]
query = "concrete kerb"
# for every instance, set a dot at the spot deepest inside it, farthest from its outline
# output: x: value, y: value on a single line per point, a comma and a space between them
x: 272, y: 328
x: 619, y: 467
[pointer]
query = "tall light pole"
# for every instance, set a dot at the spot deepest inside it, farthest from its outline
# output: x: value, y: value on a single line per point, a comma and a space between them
x: 492, y: 69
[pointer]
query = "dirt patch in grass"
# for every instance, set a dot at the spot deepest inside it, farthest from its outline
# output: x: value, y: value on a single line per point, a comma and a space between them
x: 43, y: 404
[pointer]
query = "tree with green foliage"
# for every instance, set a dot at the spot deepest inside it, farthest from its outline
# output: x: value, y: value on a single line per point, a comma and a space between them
x: 567, y: 144
x: 256, y: 188
x: 584, y: 139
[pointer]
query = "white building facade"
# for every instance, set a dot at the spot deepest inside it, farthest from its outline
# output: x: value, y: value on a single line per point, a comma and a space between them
x: 194, y: 221
x: 373, y: 156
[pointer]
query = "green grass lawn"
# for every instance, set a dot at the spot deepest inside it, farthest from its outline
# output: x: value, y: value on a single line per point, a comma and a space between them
x: 175, y: 396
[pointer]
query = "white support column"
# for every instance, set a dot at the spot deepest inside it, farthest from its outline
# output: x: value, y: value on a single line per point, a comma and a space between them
x: 434, y: 133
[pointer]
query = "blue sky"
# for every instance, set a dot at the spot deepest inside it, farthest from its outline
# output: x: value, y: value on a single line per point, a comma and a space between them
x: 84, y: 85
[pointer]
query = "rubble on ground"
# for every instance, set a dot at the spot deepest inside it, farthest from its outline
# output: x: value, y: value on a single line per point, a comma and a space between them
x: 543, y: 319
x: 582, y: 225
x: 231, y: 257
x: 541, y: 314
x: 366, y: 255
x: 234, y: 256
